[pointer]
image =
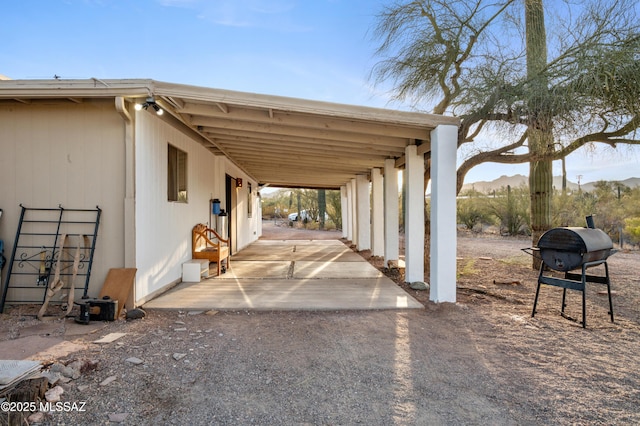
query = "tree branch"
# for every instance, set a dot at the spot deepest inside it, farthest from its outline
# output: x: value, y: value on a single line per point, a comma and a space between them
x: 496, y: 156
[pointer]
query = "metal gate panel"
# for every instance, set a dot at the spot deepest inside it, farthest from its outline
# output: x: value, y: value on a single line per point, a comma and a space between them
x: 37, y: 252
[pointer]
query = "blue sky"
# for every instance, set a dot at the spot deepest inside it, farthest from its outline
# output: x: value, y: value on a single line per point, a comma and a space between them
x: 311, y: 49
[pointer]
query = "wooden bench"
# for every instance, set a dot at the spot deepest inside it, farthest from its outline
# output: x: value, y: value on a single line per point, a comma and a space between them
x: 206, y: 243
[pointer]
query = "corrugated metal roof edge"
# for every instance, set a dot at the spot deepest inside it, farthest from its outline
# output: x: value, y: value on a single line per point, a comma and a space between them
x: 134, y: 88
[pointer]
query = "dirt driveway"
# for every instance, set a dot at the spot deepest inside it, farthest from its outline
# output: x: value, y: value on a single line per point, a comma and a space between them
x: 481, y: 361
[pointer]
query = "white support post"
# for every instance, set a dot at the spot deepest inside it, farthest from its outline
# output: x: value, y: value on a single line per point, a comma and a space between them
x: 444, y: 142
x: 363, y: 211
x: 377, y: 213
x: 391, y: 212
x: 129, y: 185
x: 354, y: 215
x: 349, y: 209
x: 414, y: 226
x: 344, y: 203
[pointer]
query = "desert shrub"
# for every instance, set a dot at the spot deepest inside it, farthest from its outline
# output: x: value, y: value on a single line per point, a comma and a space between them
x: 511, y: 207
x: 632, y: 229
x: 472, y: 210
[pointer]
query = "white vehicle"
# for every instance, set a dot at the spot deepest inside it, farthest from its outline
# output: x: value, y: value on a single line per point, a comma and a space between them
x: 303, y: 215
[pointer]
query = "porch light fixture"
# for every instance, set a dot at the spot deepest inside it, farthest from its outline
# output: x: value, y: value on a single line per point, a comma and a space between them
x: 150, y: 102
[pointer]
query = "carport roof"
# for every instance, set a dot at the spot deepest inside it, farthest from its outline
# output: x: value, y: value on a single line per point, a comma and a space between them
x: 279, y: 141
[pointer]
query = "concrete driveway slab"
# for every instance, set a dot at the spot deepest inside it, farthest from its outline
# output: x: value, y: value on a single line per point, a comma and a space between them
x: 332, y: 270
x: 291, y: 275
x: 256, y: 269
x: 264, y: 252
x: 328, y: 257
x: 302, y: 294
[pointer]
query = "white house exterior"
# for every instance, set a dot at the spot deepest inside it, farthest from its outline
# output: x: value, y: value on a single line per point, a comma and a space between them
x: 163, y: 228
x: 81, y: 144
x: 56, y: 152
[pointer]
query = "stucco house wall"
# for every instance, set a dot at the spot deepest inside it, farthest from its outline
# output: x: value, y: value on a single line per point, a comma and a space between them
x: 67, y: 154
x: 74, y: 155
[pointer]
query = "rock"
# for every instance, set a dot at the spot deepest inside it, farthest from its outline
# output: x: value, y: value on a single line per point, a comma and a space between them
x: 136, y: 313
x: 211, y: 313
x: 57, y: 368
x: 180, y: 329
x: 118, y: 417
x: 83, y: 388
x: 178, y: 356
x: 73, y: 370
x: 71, y: 373
x: 88, y: 365
x: 36, y: 418
x: 194, y: 312
x: 54, y: 394
x: 108, y: 380
x: 419, y: 285
x: 134, y: 360
x: 51, y: 376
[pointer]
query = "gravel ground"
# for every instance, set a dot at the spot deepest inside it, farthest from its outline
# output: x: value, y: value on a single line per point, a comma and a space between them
x: 481, y: 361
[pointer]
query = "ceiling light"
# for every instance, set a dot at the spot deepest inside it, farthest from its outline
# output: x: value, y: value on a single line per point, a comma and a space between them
x: 150, y: 102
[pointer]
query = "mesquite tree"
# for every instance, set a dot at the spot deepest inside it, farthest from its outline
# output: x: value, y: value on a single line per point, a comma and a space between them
x: 524, y: 94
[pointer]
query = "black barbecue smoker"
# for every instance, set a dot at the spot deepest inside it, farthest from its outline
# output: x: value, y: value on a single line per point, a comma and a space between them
x: 570, y: 249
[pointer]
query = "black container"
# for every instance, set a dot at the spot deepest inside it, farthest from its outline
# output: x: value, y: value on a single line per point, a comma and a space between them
x: 97, y: 310
x: 566, y: 249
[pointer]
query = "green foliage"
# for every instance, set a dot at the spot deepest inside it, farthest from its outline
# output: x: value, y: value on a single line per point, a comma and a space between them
x: 632, y: 227
x: 615, y: 207
x: 511, y: 208
x: 334, y: 208
x: 472, y: 210
x: 468, y: 269
x: 544, y: 93
x: 322, y: 206
x: 508, y: 208
x: 285, y: 201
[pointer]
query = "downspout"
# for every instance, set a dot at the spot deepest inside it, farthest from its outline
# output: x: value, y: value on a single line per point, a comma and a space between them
x: 130, y: 191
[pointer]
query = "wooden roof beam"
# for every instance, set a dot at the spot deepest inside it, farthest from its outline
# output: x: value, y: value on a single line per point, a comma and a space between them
x: 304, y: 120
x: 223, y: 107
x: 317, y: 148
x: 223, y: 126
x: 296, y: 141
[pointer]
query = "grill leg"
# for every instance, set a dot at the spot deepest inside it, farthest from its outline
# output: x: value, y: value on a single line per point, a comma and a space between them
x: 606, y: 269
x: 535, y: 301
x: 564, y: 298
x: 584, y: 296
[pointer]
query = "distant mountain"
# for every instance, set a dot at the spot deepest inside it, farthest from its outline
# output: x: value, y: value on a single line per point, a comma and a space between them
x: 271, y: 192
x: 515, y: 181
x: 630, y: 182
x: 485, y: 187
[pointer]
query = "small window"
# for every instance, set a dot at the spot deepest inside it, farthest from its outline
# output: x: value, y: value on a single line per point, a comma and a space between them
x: 177, y: 175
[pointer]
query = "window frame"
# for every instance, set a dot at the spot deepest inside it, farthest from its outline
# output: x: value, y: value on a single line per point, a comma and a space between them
x: 177, y: 173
